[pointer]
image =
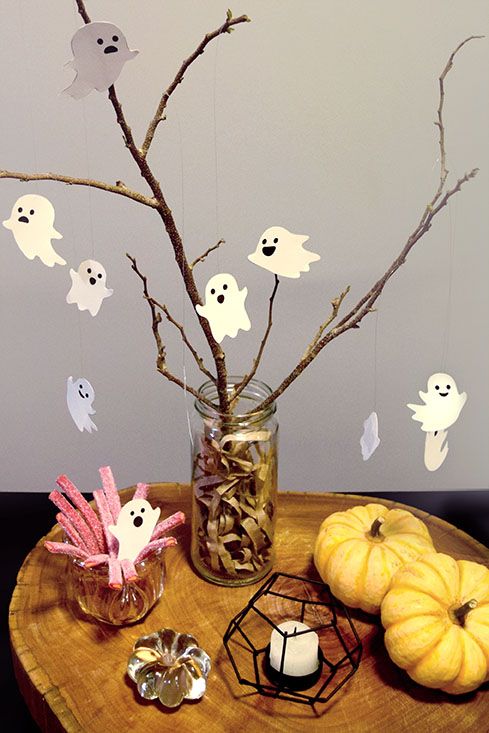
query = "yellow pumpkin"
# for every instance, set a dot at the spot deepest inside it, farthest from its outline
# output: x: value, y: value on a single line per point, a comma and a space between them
x: 436, y: 616
x: 357, y: 551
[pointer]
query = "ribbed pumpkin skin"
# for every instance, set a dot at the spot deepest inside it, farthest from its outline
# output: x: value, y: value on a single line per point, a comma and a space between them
x: 357, y: 567
x: 422, y: 635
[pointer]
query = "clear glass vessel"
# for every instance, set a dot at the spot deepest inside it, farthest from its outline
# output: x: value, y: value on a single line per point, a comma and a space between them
x: 117, y: 606
x: 234, y: 485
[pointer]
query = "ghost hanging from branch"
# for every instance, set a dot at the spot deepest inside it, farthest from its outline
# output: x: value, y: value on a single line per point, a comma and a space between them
x: 281, y: 252
x: 88, y: 286
x: 79, y: 397
x: 442, y: 406
x: 224, y: 307
x: 32, y: 224
x: 100, y: 50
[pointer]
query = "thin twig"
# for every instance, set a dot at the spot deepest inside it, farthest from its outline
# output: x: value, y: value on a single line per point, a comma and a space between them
x: 248, y: 377
x: 118, y: 188
x: 159, y: 115
x: 207, y: 252
x: 161, y: 351
x: 365, y: 304
x: 335, y: 307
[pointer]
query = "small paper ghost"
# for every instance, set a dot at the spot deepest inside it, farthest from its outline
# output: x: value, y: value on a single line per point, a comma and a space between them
x: 282, y: 253
x: 224, y: 307
x: 135, y: 524
x: 88, y: 286
x: 370, y: 440
x: 79, y: 398
x: 443, y: 404
x: 100, y: 50
x: 32, y: 224
x: 435, y: 449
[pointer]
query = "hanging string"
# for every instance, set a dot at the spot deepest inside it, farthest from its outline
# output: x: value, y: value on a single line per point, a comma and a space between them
x: 375, y: 359
x: 30, y: 67
x: 87, y: 159
x: 451, y: 247
x: 216, y: 160
x: 68, y: 193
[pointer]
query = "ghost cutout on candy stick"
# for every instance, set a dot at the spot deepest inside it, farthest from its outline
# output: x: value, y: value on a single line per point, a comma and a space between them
x: 100, y: 50
x: 88, y: 286
x: 32, y: 224
x: 135, y: 524
x: 281, y: 252
x: 79, y: 398
x: 224, y: 307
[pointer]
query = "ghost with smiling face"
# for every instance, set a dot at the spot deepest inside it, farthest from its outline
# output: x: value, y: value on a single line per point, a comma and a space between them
x: 79, y: 397
x: 443, y: 404
x: 135, y: 524
x: 281, y: 252
x: 100, y: 51
x: 224, y: 307
x: 88, y: 287
x: 32, y: 224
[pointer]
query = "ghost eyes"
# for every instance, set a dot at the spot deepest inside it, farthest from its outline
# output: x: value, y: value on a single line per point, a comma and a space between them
x: 100, y: 41
x: 448, y: 386
x: 20, y: 209
x: 275, y: 240
x: 437, y: 386
x: 224, y: 287
x: 99, y: 275
x: 213, y: 291
x: 89, y: 270
x: 31, y: 212
x: 263, y: 241
x: 115, y: 38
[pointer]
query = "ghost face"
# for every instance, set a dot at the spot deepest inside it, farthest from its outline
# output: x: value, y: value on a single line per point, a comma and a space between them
x: 281, y: 252
x: 32, y: 224
x: 79, y: 398
x: 224, y: 307
x: 441, y: 386
x: 135, y: 524
x: 88, y: 286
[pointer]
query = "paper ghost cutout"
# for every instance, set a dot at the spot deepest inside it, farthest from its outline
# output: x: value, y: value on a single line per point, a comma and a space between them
x: 224, y: 307
x: 443, y: 404
x: 435, y: 449
x: 135, y: 524
x: 32, y: 224
x: 88, y: 286
x: 79, y: 398
x: 100, y: 51
x: 282, y: 253
x: 370, y: 440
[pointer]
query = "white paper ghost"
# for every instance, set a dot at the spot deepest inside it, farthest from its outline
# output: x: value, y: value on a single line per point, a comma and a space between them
x: 88, y: 286
x: 443, y: 404
x: 100, y: 50
x: 224, y: 307
x: 79, y: 398
x: 435, y: 449
x: 282, y: 253
x: 370, y: 440
x: 32, y: 224
x: 135, y: 524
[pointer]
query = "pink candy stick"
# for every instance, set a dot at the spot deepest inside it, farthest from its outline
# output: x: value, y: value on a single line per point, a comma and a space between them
x: 141, y: 491
x: 155, y: 545
x: 63, y: 548
x: 70, y: 531
x: 107, y: 519
x: 129, y: 571
x: 111, y: 492
x: 115, y: 573
x: 84, y: 508
x: 167, y: 524
x: 77, y: 521
x: 93, y: 560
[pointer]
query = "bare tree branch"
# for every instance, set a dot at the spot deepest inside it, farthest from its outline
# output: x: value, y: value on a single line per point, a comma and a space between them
x: 160, y: 347
x: 118, y: 188
x: 159, y: 115
x: 365, y: 304
x: 207, y: 252
x: 335, y: 307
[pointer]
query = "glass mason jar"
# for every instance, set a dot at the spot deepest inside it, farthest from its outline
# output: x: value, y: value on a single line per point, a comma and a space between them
x: 117, y: 606
x: 234, y: 485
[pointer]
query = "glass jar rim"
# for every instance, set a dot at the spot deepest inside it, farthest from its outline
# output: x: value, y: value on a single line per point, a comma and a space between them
x: 209, y: 390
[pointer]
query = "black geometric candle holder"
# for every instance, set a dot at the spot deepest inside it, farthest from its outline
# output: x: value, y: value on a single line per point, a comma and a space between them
x: 283, y: 598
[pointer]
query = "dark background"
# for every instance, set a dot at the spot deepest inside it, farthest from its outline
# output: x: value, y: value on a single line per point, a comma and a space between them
x: 27, y: 517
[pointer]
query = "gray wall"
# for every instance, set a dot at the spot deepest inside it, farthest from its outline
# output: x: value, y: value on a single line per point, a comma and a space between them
x: 324, y: 115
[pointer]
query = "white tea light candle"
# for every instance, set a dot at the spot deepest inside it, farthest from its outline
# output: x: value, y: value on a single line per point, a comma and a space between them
x: 301, y: 650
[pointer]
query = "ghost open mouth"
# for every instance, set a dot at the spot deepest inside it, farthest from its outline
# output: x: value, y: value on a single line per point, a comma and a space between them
x: 220, y: 298
x: 92, y: 281
x: 23, y: 219
x: 268, y: 251
x: 137, y: 521
x: 111, y: 49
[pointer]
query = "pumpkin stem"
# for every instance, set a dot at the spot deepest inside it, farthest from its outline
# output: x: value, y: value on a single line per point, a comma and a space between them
x: 461, y: 613
x: 376, y: 525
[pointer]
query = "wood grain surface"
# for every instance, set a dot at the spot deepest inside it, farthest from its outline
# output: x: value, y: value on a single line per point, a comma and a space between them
x: 71, y: 671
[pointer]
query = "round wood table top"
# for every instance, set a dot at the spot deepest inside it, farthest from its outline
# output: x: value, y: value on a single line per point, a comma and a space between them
x: 72, y: 671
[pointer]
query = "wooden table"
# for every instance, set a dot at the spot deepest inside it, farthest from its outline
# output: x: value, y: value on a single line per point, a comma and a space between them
x: 71, y: 671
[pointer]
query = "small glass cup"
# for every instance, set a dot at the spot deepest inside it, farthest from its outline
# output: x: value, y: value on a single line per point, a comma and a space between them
x: 117, y: 606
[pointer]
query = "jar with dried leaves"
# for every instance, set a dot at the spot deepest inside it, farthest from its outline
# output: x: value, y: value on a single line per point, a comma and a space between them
x: 234, y: 483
